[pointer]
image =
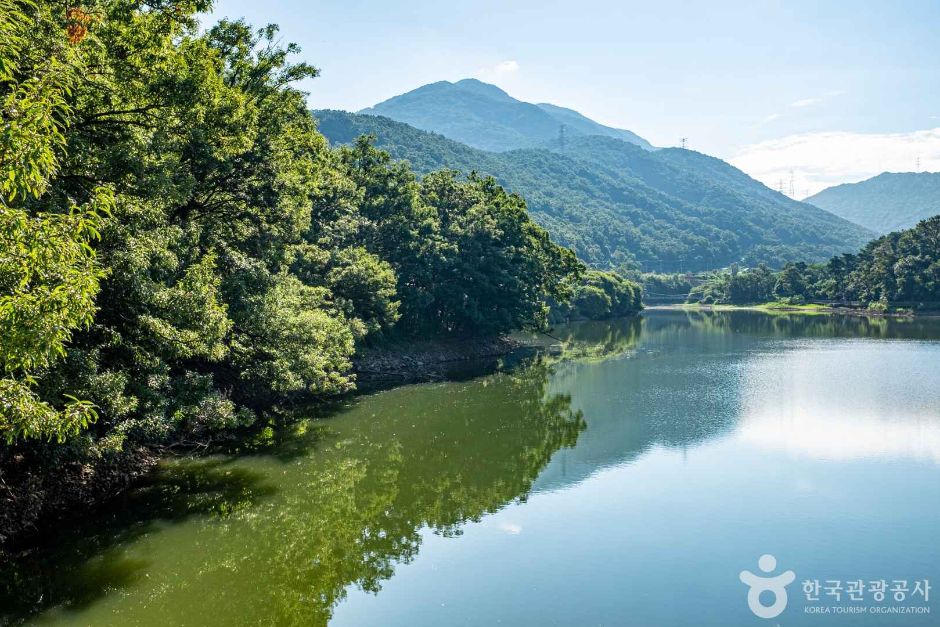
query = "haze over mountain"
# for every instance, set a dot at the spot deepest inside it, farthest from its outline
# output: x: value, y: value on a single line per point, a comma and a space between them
x: 891, y: 201
x: 484, y: 116
x: 616, y: 203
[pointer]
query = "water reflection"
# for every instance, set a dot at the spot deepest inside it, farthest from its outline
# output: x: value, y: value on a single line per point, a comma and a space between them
x: 757, y: 405
x: 781, y: 381
x: 832, y: 401
x: 211, y: 542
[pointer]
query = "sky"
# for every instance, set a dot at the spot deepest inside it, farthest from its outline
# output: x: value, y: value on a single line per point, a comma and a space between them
x: 799, y: 94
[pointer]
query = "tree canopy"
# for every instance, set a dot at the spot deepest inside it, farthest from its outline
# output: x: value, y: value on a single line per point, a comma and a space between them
x: 181, y: 248
x: 898, y: 269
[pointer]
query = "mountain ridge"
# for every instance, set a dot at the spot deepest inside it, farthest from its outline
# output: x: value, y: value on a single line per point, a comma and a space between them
x: 617, y: 204
x: 890, y: 201
x: 484, y: 116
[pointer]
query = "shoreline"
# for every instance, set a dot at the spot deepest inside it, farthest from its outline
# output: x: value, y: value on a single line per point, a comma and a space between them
x: 809, y: 310
x: 403, y: 362
x: 33, y: 499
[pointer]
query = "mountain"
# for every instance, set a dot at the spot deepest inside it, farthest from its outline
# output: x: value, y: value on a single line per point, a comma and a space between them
x: 582, y: 125
x: 484, y: 116
x: 615, y: 203
x: 891, y: 201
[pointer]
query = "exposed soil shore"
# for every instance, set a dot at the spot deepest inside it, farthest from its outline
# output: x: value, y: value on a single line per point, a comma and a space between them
x: 407, y: 362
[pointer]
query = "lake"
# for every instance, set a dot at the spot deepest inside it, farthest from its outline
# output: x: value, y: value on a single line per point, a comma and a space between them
x: 629, y: 481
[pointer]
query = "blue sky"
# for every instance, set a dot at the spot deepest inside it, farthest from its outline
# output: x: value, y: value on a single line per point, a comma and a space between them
x: 832, y: 90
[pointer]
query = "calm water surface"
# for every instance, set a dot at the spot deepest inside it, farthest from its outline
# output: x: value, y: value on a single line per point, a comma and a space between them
x: 629, y: 485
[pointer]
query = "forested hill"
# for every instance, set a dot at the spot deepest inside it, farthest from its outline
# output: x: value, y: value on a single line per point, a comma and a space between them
x: 888, y: 202
x: 901, y: 269
x: 183, y: 256
x: 615, y: 203
x: 484, y: 116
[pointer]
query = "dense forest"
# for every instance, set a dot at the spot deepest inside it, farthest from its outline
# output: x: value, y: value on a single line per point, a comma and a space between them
x: 619, y: 206
x: 182, y: 251
x: 901, y: 269
x: 888, y: 202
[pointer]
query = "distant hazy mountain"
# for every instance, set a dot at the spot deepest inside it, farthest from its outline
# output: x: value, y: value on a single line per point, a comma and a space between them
x: 484, y: 116
x: 613, y: 202
x: 888, y: 202
x: 577, y: 124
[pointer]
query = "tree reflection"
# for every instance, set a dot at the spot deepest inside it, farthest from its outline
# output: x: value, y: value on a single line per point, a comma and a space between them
x: 284, y: 546
x: 797, y: 325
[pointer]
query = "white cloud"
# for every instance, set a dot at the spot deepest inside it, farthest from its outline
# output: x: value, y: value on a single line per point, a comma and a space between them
x: 506, y: 67
x: 815, y: 100
x: 502, y: 70
x: 805, y: 102
x: 819, y: 160
x: 802, y: 103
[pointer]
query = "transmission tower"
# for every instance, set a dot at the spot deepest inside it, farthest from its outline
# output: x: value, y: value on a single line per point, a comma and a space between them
x: 792, y: 185
x: 561, y: 137
x: 685, y: 142
x: 917, y: 164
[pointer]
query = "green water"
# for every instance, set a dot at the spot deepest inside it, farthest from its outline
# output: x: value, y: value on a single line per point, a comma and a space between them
x: 629, y: 485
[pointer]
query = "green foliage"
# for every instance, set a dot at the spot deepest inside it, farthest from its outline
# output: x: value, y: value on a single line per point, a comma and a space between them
x: 292, y: 342
x: 751, y: 286
x: 619, y: 206
x: 598, y: 296
x: 888, y: 202
x: 364, y: 288
x: 898, y: 269
x: 49, y: 274
x: 496, y: 266
x: 181, y: 249
x: 466, y: 255
x: 665, y: 284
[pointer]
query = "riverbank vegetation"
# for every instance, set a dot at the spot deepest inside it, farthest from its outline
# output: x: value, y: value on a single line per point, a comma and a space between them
x: 182, y: 251
x: 900, y: 269
x: 597, y: 296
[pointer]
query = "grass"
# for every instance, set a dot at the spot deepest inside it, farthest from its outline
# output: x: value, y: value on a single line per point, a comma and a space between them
x: 787, y: 308
x: 772, y: 307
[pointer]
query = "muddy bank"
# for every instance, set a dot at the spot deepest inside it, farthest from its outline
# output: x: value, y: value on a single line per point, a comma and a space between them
x: 35, y: 491
x: 414, y: 361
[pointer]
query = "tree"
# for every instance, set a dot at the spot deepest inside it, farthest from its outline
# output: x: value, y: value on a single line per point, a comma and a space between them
x: 49, y: 274
x: 182, y: 249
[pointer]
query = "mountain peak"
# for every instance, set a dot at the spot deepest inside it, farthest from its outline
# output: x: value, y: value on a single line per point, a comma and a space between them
x: 484, y: 116
x: 477, y: 86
